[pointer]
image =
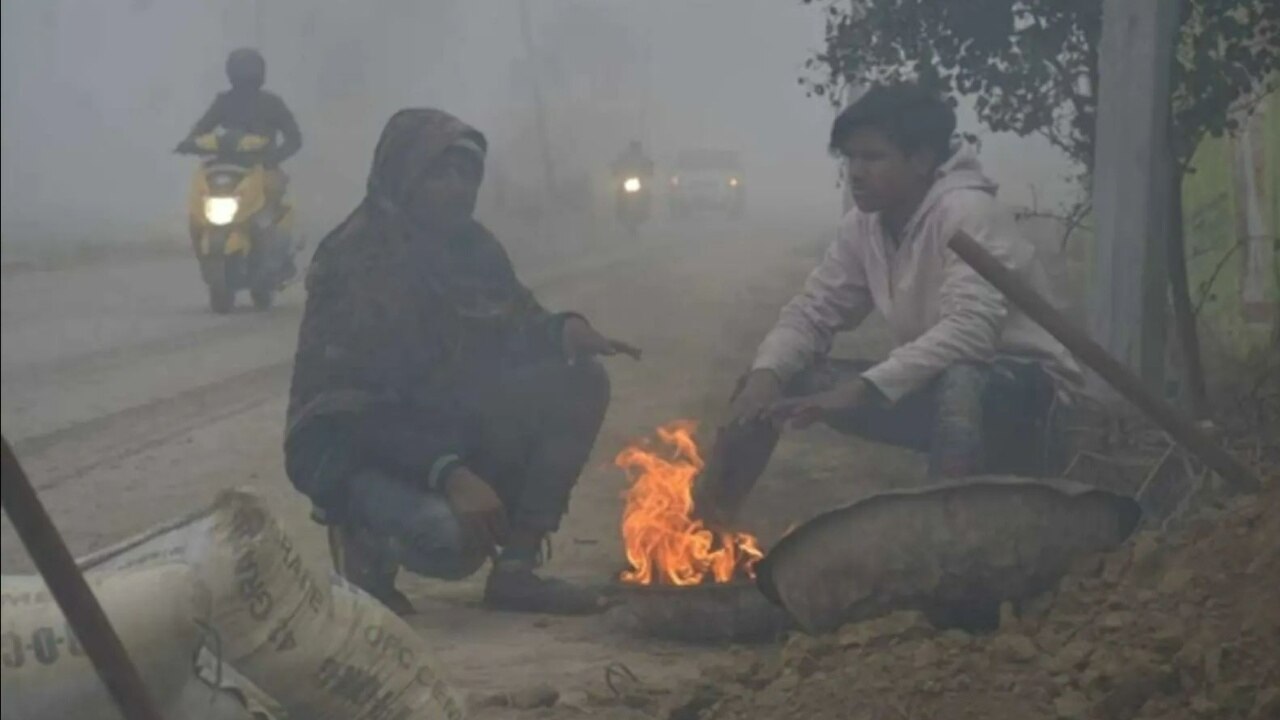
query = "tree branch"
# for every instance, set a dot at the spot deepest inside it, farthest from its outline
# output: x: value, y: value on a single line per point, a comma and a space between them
x: 1206, y: 288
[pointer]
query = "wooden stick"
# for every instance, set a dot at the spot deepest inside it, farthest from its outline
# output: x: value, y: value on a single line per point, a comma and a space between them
x: 68, y: 587
x: 1025, y: 298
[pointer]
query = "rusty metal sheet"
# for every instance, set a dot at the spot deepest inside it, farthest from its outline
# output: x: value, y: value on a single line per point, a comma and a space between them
x: 954, y: 551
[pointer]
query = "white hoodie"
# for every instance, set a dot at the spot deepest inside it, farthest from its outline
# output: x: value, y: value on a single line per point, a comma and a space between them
x: 939, y: 310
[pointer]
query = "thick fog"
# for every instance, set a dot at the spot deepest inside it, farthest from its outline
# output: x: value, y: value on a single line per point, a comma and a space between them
x: 96, y: 94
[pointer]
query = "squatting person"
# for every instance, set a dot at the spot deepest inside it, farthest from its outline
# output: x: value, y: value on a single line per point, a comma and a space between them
x: 439, y: 416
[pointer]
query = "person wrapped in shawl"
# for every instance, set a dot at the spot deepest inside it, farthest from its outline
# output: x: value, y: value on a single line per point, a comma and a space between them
x: 439, y: 416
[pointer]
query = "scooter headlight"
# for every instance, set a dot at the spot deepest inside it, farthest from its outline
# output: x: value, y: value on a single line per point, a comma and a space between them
x: 632, y: 185
x: 221, y: 210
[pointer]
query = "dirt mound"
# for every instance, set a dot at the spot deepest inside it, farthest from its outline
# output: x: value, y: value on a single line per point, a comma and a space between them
x: 1179, y: 625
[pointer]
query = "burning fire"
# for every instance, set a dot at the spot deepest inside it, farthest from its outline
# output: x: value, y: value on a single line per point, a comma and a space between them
x: 665, y: 544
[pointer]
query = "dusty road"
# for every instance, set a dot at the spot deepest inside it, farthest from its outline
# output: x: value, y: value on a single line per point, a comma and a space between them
x: 130, y: 404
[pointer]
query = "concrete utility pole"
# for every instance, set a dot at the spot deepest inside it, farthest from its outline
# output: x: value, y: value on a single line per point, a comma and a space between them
x: 539, y: 103
x: 1132, y: 184
x: 259, y: 24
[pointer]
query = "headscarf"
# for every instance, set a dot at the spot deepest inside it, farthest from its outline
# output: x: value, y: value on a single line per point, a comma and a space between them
x: 393, y: 309
x: 409, y: 143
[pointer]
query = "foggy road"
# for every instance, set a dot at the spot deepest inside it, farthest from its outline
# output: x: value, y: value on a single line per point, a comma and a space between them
x: 670, y: 172
x: 99, y: 361
x: 107, y: 367
x: 131, y: 404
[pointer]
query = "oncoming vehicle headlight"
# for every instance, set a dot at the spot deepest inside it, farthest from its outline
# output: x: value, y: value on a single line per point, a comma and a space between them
x: 220, y: 210
x: 631, y: 185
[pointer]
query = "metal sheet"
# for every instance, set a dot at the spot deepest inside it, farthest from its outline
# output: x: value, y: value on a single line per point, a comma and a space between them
x: 954, y: 550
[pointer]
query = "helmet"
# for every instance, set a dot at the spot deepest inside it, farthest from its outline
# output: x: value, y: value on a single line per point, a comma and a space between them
x: 246, y: 68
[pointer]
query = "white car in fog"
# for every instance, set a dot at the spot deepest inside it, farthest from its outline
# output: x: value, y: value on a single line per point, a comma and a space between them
x: 707, y: 181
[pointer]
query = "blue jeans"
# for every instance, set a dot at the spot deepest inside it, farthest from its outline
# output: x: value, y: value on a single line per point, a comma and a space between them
x: 529, y: 431
x: 972, y: 419
x: 410, y: 528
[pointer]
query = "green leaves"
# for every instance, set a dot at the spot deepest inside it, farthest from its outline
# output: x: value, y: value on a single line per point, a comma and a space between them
x: 1031, y: 66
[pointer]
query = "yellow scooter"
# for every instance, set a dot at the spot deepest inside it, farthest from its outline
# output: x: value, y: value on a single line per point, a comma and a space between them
x: 241, y: 227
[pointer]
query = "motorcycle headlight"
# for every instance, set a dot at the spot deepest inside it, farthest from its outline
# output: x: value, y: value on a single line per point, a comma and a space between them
x: 221, y: 210
x: 632, y: 185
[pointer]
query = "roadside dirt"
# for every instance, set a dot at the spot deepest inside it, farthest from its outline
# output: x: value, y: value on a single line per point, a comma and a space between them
x: 1183, y: 625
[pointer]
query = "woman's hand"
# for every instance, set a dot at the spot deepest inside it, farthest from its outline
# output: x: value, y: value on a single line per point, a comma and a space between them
x: 804, y: 411
x: 478, y: 508
x: 583, y: 341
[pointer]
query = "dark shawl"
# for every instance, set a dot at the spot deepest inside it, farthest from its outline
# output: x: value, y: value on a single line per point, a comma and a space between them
x: 396, y: 317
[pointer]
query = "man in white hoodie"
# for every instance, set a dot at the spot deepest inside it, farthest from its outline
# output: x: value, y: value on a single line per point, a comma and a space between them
x: 972, y: 381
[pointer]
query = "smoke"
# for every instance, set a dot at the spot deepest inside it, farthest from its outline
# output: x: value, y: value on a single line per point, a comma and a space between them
x: 96, y: 94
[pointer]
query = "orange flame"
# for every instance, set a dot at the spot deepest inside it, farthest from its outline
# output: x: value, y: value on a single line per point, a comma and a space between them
x: 665, y: 544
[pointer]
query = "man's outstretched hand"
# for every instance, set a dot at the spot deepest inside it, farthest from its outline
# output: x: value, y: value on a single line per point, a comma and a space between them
x: 804, y: 411
x: 759, y: 391
x: 583, y: 341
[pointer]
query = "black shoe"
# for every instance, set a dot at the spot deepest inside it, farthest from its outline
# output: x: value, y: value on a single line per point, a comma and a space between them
x: 358, y: 557
x: 513, y: 587
x: 395, y: 601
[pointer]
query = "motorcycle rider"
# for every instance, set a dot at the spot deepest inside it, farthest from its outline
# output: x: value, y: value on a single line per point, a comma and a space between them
x: 633, y: 162
x: 249, y: 109
x: 628, y: 203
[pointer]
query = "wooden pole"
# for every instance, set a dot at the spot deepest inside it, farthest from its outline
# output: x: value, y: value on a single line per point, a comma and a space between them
x: 72, y: 593
x: 1125, y: 382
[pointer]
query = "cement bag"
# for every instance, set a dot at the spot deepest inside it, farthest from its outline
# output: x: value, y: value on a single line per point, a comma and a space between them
x: 199, y: 701
x: 319, y: 648
x: 953, y: 551
x: 221, y: 693
x: 47, y: 676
